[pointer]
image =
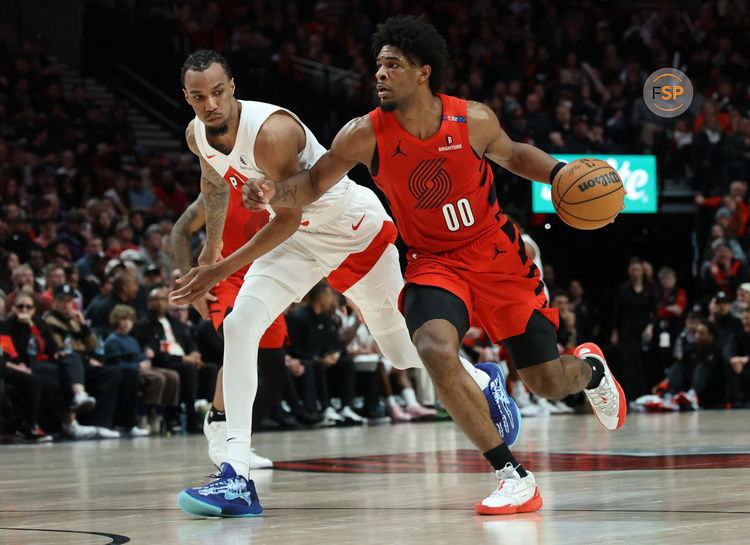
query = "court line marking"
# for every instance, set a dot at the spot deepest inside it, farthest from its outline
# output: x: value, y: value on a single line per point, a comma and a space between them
x: 117, y: 539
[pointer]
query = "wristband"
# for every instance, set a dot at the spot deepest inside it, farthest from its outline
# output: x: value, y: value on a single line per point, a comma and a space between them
x: 555, y: 170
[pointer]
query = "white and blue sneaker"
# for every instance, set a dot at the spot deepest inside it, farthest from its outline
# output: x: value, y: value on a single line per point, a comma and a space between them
x: 230, y: 495
x: 503, y: 409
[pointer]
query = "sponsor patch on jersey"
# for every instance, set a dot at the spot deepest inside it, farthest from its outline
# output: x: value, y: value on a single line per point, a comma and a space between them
x: 450, y: 148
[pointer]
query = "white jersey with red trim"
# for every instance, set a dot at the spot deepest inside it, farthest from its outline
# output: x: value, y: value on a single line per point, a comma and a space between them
x: 240, y: 164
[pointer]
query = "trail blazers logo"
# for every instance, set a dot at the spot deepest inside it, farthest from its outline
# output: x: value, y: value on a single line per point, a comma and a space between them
x: 429, y: 183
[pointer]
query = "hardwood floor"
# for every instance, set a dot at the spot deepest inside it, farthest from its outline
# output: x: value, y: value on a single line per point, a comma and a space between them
x: 662, y: 479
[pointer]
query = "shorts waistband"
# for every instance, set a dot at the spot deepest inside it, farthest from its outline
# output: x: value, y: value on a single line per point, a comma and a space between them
x: 333, y: 210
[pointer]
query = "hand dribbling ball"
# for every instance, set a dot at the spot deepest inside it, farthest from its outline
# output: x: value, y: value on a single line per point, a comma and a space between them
x: 587, y: 193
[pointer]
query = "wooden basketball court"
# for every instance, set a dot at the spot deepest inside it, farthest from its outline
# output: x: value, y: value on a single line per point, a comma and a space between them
x: 662, y: 479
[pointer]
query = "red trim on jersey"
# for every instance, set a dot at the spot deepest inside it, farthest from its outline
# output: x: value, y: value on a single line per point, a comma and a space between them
x: 241, y: 224
x: 358, y: 265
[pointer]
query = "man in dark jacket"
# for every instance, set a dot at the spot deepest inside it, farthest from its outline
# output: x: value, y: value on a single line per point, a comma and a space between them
x: 115, y: 387
x: 175, y: 348
x: 124, y: 289
x: 315, y: 341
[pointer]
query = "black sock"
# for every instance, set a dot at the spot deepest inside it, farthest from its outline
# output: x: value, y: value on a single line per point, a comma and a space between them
x: 216, y: 416
x: 500, y: 455
x: 597, y: 372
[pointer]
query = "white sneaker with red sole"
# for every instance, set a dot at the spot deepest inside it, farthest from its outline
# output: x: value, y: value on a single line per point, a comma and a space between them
x: 688, y: 400
x: 607, y: 399
x: 514, y: 494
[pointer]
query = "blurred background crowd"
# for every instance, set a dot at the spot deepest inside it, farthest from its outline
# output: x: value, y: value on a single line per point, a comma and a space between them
x: 92, y: 348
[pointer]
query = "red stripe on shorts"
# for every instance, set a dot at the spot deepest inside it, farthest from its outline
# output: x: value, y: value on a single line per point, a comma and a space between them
x: 357, y: 265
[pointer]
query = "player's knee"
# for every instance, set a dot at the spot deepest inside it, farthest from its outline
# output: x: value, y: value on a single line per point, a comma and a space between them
x: 435, y: 353
x: 544, y: 382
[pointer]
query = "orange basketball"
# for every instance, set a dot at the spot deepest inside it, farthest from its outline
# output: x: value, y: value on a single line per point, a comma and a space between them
x: 587, y: 193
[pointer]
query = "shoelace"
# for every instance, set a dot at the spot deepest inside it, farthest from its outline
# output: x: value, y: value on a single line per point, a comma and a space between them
x: 235, y: 485
x: 508, y: 477
x: 596, y: 398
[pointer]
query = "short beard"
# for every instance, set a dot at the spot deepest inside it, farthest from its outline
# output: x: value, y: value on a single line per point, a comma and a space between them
x: 390, y: 106
x: 217, y: 131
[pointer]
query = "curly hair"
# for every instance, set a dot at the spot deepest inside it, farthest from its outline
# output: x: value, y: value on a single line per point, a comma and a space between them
x: 200, y: 60
x: 418, y: 40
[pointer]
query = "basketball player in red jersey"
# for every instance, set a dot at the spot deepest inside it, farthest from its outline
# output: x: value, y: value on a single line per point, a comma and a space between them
x: 240, y: 225
x: 429, y: 154
x: 345, y: 235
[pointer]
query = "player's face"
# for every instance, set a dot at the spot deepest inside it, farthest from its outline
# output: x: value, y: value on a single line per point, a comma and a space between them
x: 210, y: 93
x: 397, y: 78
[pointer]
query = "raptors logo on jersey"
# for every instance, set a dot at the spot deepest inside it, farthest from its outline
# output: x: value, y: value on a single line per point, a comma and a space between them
x: 441, y: 193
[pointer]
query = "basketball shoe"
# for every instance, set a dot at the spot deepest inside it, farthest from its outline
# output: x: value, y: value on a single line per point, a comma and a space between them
x: 503, y: 410
x: 230, y: 495
x: 607, y: 399
x: 514, y: 494
x: 215, y: 432
x: 688, y: 400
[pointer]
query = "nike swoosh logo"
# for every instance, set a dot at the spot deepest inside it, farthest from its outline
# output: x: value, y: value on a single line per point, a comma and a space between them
x: 230, y: 439
x: 355, y: 227
x: 210, y: 156
x: 305, y: 223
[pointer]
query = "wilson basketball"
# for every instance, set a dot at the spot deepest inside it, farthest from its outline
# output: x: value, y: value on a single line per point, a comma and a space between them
x: 587, y: 193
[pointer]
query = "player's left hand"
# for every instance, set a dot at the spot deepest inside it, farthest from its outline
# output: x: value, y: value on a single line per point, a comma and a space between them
x: 195, y: 284
x: 201, y: 305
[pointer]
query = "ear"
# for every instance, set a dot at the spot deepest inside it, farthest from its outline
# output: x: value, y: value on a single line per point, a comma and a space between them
x: 424, y: 73
x: 187, y: 97
x: 231, y: 86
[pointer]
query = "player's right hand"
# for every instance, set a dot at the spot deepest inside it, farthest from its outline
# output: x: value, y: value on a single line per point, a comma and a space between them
x: 256, y: 193
x: 210, y: 254
x: 201, y: 305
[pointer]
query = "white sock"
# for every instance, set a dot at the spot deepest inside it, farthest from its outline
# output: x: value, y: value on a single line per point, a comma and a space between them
x: 242, y: 331
x: 480, y: 377
x: 391, y: 401
x: 410, y: 397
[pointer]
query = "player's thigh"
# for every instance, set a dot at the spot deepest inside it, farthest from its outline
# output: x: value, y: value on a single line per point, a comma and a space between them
x: 380, y: 287
x: 536, y: 345
x: 291, y: 265
x: 422, y: 304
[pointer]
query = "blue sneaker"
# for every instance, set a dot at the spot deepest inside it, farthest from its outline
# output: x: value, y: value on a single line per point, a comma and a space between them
x: 503, y: 410
x: 230, y: 495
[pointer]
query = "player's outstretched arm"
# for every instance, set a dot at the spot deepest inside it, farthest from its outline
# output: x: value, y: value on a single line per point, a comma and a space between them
x: 355, y: 143
x: 215, y: 193
x: 276, y: 150
x: 192, y: 219
x: 488, y: 138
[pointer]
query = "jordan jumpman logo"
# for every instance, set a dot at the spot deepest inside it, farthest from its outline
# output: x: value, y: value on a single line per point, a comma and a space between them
x: 398, y: 150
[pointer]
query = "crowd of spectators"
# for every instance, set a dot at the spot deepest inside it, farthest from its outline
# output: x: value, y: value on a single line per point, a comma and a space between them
x: 566, y: 76
x: 90, y: 344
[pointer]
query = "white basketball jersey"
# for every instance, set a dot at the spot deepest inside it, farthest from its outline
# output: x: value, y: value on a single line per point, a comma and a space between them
x: 240, y: 164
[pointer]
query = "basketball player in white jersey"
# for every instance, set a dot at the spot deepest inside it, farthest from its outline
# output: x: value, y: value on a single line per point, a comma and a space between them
x: 345, y: 235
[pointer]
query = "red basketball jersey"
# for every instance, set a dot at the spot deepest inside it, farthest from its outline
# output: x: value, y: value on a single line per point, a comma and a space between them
x: 240, y: 226
x: 441, y: 194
